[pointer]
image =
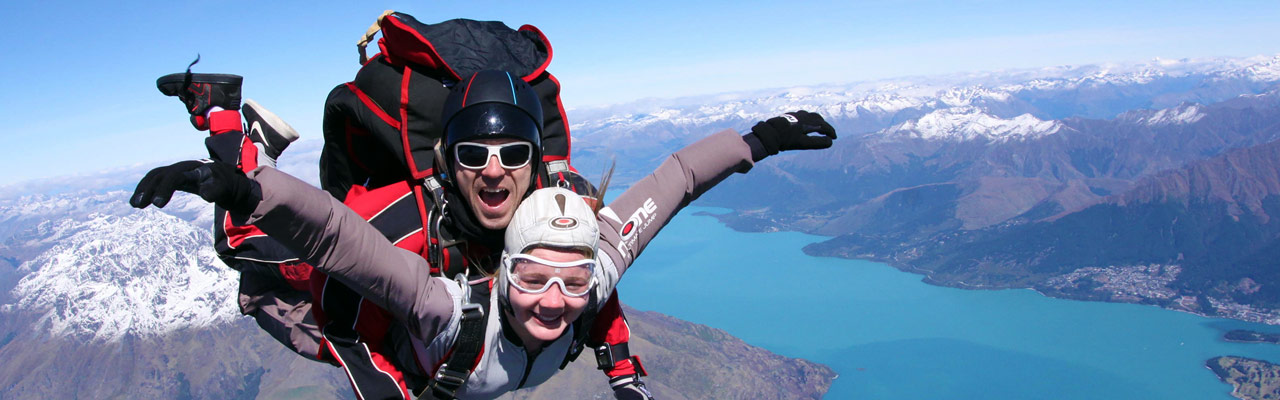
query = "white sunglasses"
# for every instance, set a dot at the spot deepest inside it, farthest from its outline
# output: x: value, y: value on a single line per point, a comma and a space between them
x: 476, y: 156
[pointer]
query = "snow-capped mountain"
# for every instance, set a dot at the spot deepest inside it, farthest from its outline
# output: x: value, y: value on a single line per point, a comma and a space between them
x: 988, y: 107
x: 1180, y: 115
x: 93, y: 267
x: 143, y: 274
x: 1259, y: 70
x: 1095, y: 91
x: 971, y: 123
x: 972, y: 96
x: 131, y: 303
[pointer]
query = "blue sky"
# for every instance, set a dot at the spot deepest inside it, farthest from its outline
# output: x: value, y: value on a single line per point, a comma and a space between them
x: 79, y: 77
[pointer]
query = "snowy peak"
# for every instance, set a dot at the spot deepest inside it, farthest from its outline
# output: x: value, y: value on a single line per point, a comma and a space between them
x: 883, y: 103
x: 1266, y: 71
x: 876, y: 105
x: 1139, y: 77
x: 108, y: 276
x: 971, y: 123
x: 831, y: 103
x: 972, y: 95
x: 32, y: 209
x: 1256, y: 69
x: 1176, y: 116
x: 1183, y: 114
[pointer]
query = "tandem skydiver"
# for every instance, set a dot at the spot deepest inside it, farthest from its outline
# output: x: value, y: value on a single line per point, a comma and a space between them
x: 482, y: 137
x: 279, y: 290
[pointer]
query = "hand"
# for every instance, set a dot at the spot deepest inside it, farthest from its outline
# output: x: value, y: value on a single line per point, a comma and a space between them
x: 791, y: 131
x: 632, y: 391
x: 215, y: 182
x: 629, y: 387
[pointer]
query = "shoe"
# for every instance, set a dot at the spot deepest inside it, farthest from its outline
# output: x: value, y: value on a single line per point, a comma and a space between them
x: 266, y: 129
x: 199, y: 92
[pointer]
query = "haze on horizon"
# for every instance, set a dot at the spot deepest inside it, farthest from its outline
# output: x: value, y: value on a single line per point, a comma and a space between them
x: 81, y: 99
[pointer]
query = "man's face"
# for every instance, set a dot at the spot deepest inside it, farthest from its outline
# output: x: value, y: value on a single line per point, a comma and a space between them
x: 493, y: 191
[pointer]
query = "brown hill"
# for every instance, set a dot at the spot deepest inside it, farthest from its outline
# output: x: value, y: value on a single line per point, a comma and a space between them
x: 1240, y: 180
x: 237, y: 361
x: 1252, y: 379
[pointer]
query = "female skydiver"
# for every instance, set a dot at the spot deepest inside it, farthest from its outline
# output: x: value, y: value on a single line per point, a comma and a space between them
x: 545, y: 282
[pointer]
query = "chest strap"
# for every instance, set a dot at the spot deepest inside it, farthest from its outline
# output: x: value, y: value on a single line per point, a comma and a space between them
x: 466, y: 352
x: 582, y: 330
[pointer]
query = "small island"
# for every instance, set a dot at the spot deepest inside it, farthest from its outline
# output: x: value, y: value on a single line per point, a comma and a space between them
x: 1251, y: 379
x: 1245, y: 336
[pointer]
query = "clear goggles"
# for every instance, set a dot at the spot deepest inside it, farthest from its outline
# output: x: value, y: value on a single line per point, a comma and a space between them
x: 534, y: 275
x: 476, y: 156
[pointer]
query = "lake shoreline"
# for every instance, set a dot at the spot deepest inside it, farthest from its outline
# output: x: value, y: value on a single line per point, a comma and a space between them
x: 1248, y: 336
x: 1239, y: 312
x: 968, y: 343
x: 1250, y: 379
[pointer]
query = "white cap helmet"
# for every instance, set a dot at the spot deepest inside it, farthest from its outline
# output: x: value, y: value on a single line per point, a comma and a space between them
x: 550, y: 217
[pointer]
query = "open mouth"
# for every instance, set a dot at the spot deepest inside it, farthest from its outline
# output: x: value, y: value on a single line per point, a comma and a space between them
x: 494, y: 197
x: 548, y: 321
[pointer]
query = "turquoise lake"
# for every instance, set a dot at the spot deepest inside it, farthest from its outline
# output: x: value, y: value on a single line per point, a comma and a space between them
x: 889, y: 335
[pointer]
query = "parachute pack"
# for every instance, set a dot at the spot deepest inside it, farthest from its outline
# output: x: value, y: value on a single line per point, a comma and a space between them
x: 380, y: 157
x: 383, y: 126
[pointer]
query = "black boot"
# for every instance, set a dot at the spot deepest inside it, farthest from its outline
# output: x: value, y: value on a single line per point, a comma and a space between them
x: 201, y: 91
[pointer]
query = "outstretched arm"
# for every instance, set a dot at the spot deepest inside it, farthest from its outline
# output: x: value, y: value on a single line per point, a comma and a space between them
x: 636, y: 216
x: 323, y: 232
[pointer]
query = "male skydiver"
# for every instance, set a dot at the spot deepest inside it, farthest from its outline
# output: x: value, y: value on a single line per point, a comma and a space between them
x: 274, y: 286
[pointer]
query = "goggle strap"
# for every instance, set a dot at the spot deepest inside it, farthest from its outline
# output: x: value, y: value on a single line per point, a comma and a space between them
x: 557, y: 264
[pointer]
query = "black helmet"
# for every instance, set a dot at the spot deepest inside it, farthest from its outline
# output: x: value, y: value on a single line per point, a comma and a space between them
x: 492, y: 104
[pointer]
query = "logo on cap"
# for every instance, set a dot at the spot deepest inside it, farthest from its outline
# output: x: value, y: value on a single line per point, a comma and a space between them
x: 564, y: 223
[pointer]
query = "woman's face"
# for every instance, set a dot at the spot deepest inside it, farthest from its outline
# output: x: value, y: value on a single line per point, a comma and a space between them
x: 543, y: 317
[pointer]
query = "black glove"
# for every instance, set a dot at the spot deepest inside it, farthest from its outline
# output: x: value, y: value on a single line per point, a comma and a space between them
x: 629, y: 388
x: 215, y: 182
x: 790, y: 131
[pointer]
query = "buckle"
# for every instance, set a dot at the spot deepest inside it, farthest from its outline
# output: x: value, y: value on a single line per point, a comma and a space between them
x: 446, y: 383
x: 445, y: 376
x: 432, y: 183
x: 604, y: 356
x: 557, y: 166
x: 470, y: 310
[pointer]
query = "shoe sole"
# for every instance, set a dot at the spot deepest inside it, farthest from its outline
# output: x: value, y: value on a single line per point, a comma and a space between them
x: 271, y: 119
x: 171, y: 84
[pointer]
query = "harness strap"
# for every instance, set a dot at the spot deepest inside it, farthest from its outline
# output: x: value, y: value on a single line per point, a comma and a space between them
x: 368, y: 36
x: 582, y: 330
x: 466, y: 350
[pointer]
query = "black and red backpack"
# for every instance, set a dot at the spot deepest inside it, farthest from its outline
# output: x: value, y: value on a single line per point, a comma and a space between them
x: 381, y: 132
x: 383, y: 126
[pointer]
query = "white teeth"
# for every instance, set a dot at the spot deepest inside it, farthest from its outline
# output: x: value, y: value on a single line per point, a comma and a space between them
x: 488, y: 190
